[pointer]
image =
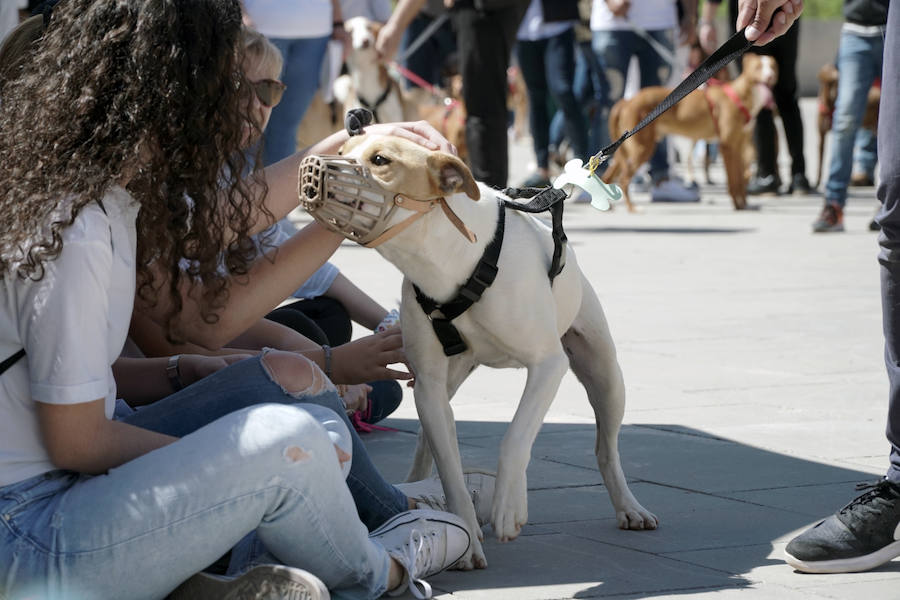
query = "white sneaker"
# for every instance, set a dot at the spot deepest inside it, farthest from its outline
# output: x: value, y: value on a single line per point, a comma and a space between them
x: 429, y: 493
x: 670, y: 190
x: 424, y: 542
x: 265, y: 582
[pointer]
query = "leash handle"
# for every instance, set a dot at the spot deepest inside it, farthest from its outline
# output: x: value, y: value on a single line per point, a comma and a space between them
x: 734, y: 47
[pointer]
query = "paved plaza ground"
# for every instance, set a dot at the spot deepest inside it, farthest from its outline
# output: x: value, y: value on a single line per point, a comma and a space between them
x: 752, y: 354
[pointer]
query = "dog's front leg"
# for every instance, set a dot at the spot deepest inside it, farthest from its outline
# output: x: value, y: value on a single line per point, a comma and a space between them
x: 510, y: 509
x: 436, y: 416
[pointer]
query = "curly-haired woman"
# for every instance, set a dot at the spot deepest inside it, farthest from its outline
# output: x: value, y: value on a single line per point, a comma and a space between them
x: 124, y: 109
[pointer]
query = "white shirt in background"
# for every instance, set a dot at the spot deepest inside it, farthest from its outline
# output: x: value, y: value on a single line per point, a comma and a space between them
x: 374, y: 10
x: 290, y: 19
x: 650, y: 15
x: 72, y: 324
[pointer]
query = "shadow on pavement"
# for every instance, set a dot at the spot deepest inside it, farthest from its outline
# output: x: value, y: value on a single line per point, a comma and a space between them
x: 723, y: 507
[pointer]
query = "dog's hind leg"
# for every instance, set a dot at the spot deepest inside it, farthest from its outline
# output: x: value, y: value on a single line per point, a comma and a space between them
x: 592, y: 356
x: 423, y: 461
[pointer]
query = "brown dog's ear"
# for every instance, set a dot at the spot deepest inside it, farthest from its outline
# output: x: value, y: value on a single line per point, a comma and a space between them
x: 452, y: 175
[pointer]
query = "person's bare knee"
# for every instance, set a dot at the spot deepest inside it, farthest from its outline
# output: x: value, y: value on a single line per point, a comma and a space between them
x: 294, y: 373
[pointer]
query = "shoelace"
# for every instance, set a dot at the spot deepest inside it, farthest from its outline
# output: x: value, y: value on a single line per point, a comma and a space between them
x: 416, y: 557
x: 880, y: 494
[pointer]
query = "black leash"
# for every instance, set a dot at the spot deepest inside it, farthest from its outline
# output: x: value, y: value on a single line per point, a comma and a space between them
x: 727, y: 52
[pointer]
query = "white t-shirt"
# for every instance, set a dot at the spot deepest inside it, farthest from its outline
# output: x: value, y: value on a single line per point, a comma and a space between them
x: 290, y: 19
x: 374, y: 10
x: 72, y: 324
x: 649, y: 15
x: 319, y: 282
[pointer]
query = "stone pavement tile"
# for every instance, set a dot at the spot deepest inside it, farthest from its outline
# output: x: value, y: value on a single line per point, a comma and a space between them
x: 773, y: 570
x: 564, y: 566
x: 392, y: 453
x: 684, y: 457
x: 815, y: 501
x: 827, y: 432
x: 698, y: 522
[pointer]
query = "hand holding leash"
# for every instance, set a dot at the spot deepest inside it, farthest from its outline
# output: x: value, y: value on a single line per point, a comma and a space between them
x: 765, y: 20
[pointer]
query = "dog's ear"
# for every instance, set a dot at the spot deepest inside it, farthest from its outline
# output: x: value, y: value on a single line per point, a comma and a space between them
x: 451, y: 175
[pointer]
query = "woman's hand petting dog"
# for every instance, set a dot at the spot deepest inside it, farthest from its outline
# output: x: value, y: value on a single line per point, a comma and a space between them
x: 420, y: 132
x: 367, y: 359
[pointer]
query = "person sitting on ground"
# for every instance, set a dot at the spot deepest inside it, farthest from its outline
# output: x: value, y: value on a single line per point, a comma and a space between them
x: 95, y: 176
x: 331, y: 295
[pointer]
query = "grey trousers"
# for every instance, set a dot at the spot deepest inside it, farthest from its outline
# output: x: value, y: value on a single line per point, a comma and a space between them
x: 889, y: 217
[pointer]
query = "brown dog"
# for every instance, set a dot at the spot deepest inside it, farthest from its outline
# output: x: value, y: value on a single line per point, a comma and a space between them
x: 448, y: 116
x: 722, y: 111
x: 828, y: 86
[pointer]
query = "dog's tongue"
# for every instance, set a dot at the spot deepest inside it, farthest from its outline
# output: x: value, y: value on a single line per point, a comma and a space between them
x: 765, y: 92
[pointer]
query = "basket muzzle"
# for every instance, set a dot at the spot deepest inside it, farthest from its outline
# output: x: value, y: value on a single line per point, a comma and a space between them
x: 342, y: 195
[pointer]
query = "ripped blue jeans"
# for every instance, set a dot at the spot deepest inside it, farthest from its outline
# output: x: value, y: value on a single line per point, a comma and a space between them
x: 142, y: 528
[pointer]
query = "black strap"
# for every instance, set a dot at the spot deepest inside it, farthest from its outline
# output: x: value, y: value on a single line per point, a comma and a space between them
x: 542, y: 200
x: 374, y: 106
x: 469, y: 294
x: 730, y: 50
x: 6, y: 364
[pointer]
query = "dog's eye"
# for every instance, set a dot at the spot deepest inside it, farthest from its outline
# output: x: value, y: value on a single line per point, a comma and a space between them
x: 379, y: 161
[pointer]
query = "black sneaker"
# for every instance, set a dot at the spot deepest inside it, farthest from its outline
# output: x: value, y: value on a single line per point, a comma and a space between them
x: 767, y: 184
x: 859, y: 537
x: 799, y: 185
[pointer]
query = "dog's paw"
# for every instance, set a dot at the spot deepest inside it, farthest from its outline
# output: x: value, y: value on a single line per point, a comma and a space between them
x: 473, y: 559
x: 636, y: 517
x: 510, y: 510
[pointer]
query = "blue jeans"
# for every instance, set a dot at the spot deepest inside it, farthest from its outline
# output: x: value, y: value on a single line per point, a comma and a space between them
x: 248, y: 383
x: 548, y: 68
x: 139, y: 530
x: 859, y: 63
x: 865, y: 152
x: 302, y: 65
x: 614, y: 50
x: 589, y: 87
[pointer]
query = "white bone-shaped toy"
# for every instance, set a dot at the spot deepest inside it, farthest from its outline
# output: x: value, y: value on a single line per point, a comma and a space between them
x: 601, y: 193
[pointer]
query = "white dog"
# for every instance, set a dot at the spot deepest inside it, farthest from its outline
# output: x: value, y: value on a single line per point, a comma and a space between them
x: 369, y: 84
x: 520, y: 321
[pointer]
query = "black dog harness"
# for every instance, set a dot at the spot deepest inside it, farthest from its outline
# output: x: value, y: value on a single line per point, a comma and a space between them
x: 485, y: 272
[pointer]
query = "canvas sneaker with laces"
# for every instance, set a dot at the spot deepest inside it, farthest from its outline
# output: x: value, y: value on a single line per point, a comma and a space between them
x: 424, y: 542
x: 830, y: 219
x: 859, y: 537
x: 263, y: 582
x: 429, y: 493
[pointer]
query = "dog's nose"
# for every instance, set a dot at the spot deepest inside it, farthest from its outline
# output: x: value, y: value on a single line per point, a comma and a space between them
x: 365, y: 44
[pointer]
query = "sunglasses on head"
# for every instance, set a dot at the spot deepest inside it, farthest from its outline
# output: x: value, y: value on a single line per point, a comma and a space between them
x: 268, y: 91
